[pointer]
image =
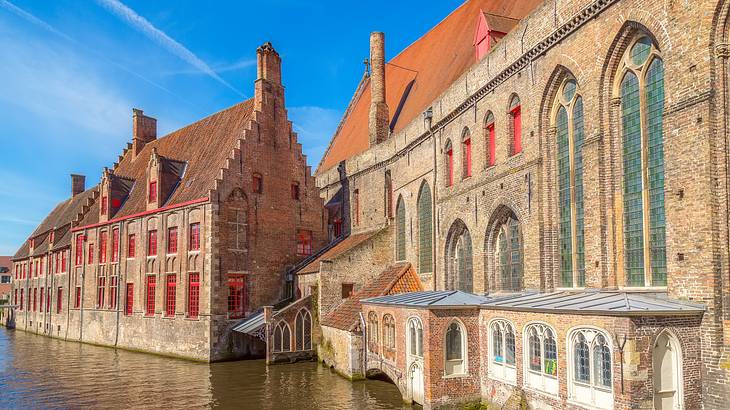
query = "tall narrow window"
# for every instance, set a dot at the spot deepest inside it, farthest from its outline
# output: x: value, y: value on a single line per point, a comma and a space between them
x: 77, y: 299
x: 104, y: 205
x: 449, y: 151
x: 388, y: 192
x: 193, y: 295
x: 373, y: 332
x: 304, y: 330
x: 113, y: 284
x: 63, y: 261
x: 257, y: 183
x: 79, y: 249
x: 502, y: 363
x: 295, y: 191
x: 115, y: 245
x: 282, y: 337
x: 356, y: 207
x: 508, y: 256
x: 466, y: 154
x: 455, y: 350
x: 172, y: 240
x: 91, y: 254
x: 48, y: 300
x: 59, y: 299
x: 236, y: 296
x: 170, y: 295
x: 541, y: 358
x: 491, y: 142
x: 152, y: 243
x: 102, y: 246
x: 569, y: 141
x: 459, y: 275
x: 151, y: 292
x: 131, y: 246
x: 415, y: 337
x: 389, y: 331
x: 642, y: 110
x: 400, y: 230
x: 304, y: 242
x: 41, y: 300
x: 100, y: 287
x: 129, y: 305
x: 515, y: 117
x: 425, y: 225
x: 194, y: 243
x: 152, y: 194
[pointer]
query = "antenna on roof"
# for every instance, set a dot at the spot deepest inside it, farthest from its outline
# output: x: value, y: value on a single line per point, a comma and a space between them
x: 367, y: 67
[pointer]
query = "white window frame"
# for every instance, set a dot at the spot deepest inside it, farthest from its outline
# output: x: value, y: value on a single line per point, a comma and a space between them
x: 504, y: 372
x: 414, y: 322
x: 590, y: 394
x: 539, y: 380
x: 450, y: 366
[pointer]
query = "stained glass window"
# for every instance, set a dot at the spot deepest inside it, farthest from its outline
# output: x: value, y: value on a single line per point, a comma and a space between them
x: 509, y: 255
x: 535, y: 350
x: 601, y: 362
x: 581, y: 358
x: 425, y: 249
x: 541, y: 358
x: 551, y: 354
x: 400, y: 227
x: 497, y: 344
x: 657, y: 224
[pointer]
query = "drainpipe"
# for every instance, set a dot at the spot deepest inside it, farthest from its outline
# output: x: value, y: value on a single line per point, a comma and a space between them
x: 68, y: 287
x: 122, y: 234
x: 83, y: 287
x: 365, y: 344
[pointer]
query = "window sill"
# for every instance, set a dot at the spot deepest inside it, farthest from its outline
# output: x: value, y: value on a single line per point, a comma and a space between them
x: 168, y: 317
x: 455, y: 376
x: 151, y: 256
x: 640, y: 289
x: 149, y: 316
x: 584, y: 405
x: 194, y: 252
x: 535, y: 389
x: 192, y: 319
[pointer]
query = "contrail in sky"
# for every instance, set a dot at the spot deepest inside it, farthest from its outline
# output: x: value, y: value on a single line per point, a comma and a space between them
x: 145, y: 27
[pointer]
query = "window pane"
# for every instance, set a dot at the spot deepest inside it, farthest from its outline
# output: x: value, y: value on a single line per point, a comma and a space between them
x: 640, y: 51
x: 425, y: 253
x: 453, y: 342
x: 412, y: 328
x: 602, y: 362
x: 551, y: 354
x: 463, y: 252
x: 578, y: 163
x: 400, y: 240
x: 566, y: 241
x: 581, y: 360
x: 509, y: 340
x: 503, y: 259
x: 633, y: 204
x: 535, y: 351
x: 497, y: 347
x: 654, y: 115
x: 515, y: 254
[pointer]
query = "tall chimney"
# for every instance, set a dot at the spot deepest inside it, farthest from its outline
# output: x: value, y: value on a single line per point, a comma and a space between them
x: 144, y: 130
x: 378, y: 119
x: 78, y: 184
x: 268, y: 64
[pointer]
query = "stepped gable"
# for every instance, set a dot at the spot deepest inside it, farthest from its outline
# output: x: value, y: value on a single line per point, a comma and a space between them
x: 395, y: 279
x: 202, y: 146
x: 419, y: 74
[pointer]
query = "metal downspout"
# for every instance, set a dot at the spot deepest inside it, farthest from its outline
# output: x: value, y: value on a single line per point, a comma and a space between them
x: 83, y: 287
x: 365, y: 344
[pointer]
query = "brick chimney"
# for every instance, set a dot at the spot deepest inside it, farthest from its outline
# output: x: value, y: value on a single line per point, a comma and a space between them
x: 78, y: 184
x: 144, y: 130
x: 378, y: 120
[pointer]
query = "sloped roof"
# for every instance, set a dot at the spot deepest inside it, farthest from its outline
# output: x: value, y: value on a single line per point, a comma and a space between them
x: 430, y: 299
x: 595, y: 302
x: 499, y: 23
x: 5, y: 262
x: 397, y: 278
x: 343, y: 246
x: 433, y: 63
x: 203, y: 146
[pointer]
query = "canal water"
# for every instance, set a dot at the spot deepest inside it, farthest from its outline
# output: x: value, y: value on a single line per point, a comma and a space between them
x: 40, y: 372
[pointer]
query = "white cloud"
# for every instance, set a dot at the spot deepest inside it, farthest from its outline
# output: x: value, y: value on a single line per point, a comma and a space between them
x: 148, y: 29
x: 315, y: 127
x: 220, y: 68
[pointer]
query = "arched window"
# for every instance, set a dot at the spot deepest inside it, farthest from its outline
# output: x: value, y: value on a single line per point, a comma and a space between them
x: 400, y: 230
x: 449, y: 152
x: 590, y: 382
x: 502, y: 363
x: 508, y: 254
x: 373, y: 332
x: 304, y: 330
x: 569, y: 141
x: 388, y: 195
x: 415, y: 337
x: 515, y: 119
x: 491, y: 142
x: 466, y: 154
x: 642, y: 110
x: 282, y: 337
x: 389, y: 332
x: 541, y: 359
x: 455, y: 349
x: 459, y: 258
x: 425, y: 239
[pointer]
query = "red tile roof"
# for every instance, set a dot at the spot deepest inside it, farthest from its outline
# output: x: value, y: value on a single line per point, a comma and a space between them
x: 433, y: 63
x: 395, y: 279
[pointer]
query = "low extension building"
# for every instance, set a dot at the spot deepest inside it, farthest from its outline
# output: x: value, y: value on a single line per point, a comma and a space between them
x: 183, y: 237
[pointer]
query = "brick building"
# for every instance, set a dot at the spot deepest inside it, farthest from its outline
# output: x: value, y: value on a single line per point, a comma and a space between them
x: 557, y: 173
x: 5, y: 278
x: 183, y: 237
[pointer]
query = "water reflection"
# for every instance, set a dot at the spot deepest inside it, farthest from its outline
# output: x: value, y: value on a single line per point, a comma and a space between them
x: 39, y: 372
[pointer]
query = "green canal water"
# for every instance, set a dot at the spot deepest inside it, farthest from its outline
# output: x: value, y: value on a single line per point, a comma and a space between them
x: 40, y: 372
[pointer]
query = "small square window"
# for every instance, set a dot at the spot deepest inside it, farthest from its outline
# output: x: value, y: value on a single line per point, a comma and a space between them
x: 348, y: 289
x: 257, y: 183
x: 152, y: 197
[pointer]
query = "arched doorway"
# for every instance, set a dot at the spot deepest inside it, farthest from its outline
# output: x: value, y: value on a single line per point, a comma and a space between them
x: 667, y: 358
x: 415, y: 382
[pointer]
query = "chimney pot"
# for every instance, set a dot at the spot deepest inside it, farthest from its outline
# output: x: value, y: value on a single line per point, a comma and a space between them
x: 144, y: 130
x: 78, y: 184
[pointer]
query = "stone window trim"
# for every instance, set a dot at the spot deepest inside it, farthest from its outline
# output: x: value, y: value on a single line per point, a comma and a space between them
x: 546, y: 379
x: 372, y: 330
x: 448, y: 164
x: 641, y: 69
x: 514, y: 117
x: 490, y: 141
x: 389, y: 337
x: 500, y: 367
x: 466, y: 154
x: 504, y: 222
x: 458, y: 365
x: 303, y: 327
x: 581, y: 392
x: 400, y: 230
x: 424, y: 209
x: 414, y: 338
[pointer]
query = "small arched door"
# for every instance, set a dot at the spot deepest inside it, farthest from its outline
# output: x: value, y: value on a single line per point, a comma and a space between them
x: 667, y: 373
x: 415, y: 379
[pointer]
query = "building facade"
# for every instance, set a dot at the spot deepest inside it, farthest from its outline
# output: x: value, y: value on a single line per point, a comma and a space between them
x: 183, y: 237
x: 567, y: 163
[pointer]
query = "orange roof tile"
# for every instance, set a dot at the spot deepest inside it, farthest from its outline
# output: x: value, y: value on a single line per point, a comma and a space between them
x: 433, y: 62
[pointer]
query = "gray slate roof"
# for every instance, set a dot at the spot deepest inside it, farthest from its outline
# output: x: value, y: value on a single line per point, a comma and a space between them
x: 595, y: 302
x: 430, y: 299
x: 252, y: 323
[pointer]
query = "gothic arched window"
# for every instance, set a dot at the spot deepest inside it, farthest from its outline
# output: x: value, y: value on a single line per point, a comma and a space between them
x: 282, y: 337
x: 304, y: 330
x: 400, y: 230
x: 502, y: 363
x: 373, y: 332
x: 455, y: 349
x: 459, y: 258
x: 591, y: 379
x: 642, y: 110
x: 508, y: 254
x: 569, y: 141
x: 515, y: 118
x: 541, y: 359
x: 449, y: 159
x: 415, y: 337
x: 466, y: 154
x: 491, y: 139
x: 425, y: 248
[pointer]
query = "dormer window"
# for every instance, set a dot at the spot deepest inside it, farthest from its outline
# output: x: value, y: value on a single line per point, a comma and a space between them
x: 152, y: 195
x: 257, y: 183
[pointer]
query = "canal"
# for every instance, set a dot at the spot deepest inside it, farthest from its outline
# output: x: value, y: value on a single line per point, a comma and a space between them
x: 40, y: 372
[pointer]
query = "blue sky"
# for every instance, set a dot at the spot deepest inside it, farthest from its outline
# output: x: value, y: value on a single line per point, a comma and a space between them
x: 71, y: 71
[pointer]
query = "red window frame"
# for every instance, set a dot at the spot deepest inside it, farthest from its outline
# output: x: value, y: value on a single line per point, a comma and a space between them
x: 115, y: 245
x: 104, y: 205
x: 100, y: 288
x: 492, y: 144
x: 35, y: 299
x: 48, y: 300
x: 131, y: 249
x: 304, y: 242
x: 172, y: 240
x: 91, y: 254
x: 152, y: 242
x: 41, y: 304
x: 193, y: 295
x: 170, y: 295
x: 467, y: 157
x: 113, y: 282
x: 450, y: 159
x: 77, y: 303
x: 63, y: 261
x: 22, y: 294
x: 15, y: 297
x: 236, y: 296
x: 103, y: 246
x: 152, y: 194
x: 337, y: 227
x: 257, y: 183
x: 151, y: 282
x: 130, y: 299
x: 194, y: 243
x: 516, y: 118
x: 59, y: 299
x: 79, y: 249
x: 295, y: 191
